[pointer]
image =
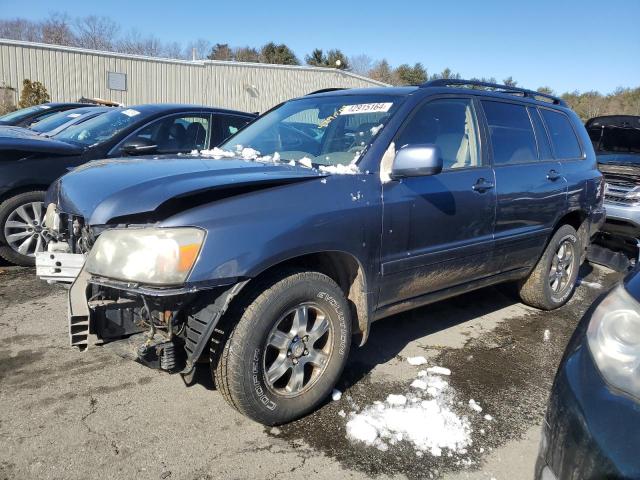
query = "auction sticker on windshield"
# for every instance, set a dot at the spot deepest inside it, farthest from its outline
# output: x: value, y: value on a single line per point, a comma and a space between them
x: 130, y: 112
x: 365, y: 108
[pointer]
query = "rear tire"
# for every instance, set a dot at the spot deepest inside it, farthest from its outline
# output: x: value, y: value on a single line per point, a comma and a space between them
x: 287, y: 350
x: 25, y: 230
x: 553, y: 279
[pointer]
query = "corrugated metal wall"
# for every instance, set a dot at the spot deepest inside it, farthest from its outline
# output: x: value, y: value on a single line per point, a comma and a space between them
x: 71, y: 73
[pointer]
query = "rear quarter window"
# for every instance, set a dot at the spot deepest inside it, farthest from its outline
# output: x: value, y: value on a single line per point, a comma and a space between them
x: 563, y: 137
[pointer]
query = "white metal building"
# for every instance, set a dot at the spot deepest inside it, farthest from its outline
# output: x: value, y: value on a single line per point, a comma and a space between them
x: 71, y: 73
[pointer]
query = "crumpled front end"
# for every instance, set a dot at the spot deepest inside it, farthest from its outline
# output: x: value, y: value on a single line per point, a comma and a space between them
x: 163, y: 328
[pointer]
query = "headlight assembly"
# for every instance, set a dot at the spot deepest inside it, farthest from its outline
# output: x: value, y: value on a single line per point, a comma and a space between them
x: 153, y: 256
x: 614, y: 340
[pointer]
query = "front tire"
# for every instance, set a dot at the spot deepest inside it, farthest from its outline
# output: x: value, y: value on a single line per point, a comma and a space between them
x: 22, y: 233
x: 288, y: 349
x: 553, y: 279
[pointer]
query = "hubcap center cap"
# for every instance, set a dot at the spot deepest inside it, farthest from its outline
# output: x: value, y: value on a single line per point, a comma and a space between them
x: 297, y: 348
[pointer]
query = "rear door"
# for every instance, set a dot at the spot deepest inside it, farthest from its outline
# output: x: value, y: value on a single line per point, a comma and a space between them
x: 531, y: 190
x: 438, y: 230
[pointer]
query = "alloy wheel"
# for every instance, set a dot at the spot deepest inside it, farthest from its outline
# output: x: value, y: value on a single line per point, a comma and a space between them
x: 562, y: 267
x: 298, y: 350
x: 24, y: 231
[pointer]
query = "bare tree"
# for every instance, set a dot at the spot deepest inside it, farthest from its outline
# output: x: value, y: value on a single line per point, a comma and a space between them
x: 361, y: 64
x: 199, y: 49
x: 21, y: 29
x: 57, y: 30
x: 135, y: 44
x: 96, y: 33
x: 174, y: 50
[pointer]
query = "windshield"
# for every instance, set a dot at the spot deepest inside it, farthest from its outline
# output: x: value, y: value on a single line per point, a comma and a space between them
x: 22, y: 113
x: 101, y: 128
x: 331, y: 130
x: 58, y: 119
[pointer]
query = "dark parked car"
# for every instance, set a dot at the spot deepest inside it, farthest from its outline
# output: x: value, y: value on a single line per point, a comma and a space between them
x: 29, y: 163
x: 54, y: 124
x: 268, y: 255
x: 593, y: 419
x: 27, y: 116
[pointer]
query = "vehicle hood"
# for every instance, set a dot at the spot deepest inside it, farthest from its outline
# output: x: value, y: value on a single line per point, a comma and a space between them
x: 28, y: 141
x: 150, y: 189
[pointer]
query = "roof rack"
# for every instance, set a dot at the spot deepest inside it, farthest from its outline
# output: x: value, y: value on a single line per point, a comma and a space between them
x: 452, y: 82
x: 324, y: 90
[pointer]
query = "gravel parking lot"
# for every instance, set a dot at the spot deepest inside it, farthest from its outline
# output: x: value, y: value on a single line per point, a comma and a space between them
x: 67, y: 414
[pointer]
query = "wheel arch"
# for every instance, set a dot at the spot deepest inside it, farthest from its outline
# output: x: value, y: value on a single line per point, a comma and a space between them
x: 343, y: 268
x: 578, y: 220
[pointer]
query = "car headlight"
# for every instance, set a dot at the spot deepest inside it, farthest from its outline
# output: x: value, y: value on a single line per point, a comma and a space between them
x: 614, y: 340
x: 154, y: 256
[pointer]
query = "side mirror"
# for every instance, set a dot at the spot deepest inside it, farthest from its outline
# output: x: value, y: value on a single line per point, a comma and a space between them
x: 138, y: 146
x: 417, y: 161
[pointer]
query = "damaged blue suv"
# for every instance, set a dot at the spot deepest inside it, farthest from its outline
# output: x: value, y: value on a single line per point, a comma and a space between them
x: 267, y: 256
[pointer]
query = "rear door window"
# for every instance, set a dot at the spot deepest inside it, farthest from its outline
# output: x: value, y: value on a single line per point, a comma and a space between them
x: 512, y: 136
x: 563, y: 138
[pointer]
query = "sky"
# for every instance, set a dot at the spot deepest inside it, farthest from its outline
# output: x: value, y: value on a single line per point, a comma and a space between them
x: 564, y: 44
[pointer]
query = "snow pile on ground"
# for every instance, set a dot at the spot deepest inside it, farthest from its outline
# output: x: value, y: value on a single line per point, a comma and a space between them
x: 428, y: 425
x: 474, y: 406
x: 416, y: 360
x: 339, y: 169
x: 424, y: 417
x: 439, y: 371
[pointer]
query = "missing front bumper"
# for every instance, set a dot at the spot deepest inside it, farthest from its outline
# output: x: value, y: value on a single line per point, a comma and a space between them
x: 101, y: 313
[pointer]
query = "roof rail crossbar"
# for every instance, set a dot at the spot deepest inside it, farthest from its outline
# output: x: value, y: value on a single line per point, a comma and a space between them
x: 324, y: 90
x: 453, y: 82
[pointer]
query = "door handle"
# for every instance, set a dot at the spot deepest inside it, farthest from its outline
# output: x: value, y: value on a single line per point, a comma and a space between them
x: 482, y: 186
x: 553, y: 175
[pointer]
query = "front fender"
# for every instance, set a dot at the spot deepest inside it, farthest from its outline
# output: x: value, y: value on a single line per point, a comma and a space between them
x: 250, y: 233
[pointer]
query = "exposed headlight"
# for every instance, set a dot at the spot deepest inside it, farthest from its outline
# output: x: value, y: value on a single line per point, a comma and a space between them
x: 154, y: 256
x: 614, y: 340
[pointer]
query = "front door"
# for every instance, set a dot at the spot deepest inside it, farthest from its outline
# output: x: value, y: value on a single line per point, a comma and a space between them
x: 438, y: 230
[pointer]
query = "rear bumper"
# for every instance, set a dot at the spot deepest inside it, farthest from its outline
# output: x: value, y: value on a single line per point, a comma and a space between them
x: 591, y: 431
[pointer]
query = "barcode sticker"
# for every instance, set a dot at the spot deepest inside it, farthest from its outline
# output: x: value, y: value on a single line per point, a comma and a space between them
x: 365, y: 108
